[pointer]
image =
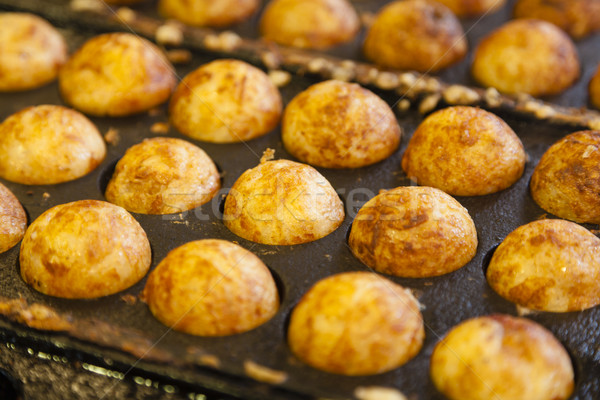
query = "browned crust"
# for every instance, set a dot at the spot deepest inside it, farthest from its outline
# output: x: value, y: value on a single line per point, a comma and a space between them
x: 211, y: 288
x: 529, y: 56
x: 116, y: 74
x: 208, y: 12
x: 49, y: 144
x: 566, y: 182
x: 163, y: 176
x: 315, y: 24
x: 578, y: 18
x: 282, y: 203
x: 356, y: 323
x: 225, y: 101
x: 336, y: 124
x: 473, y: 8
x: 31, y: 51
x: 13, y: 219
x: 413, y: 232
x: 464, y: 151
x: 84, y: 249
x: 548, y: 265
x: 501, y: 356
x: 416, y: 35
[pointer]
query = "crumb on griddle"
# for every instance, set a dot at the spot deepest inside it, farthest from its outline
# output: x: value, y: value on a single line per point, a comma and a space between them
x: 378, y: 393
x: 155, y: 112
x: 280, y: 78
x: 268, y: 155
x: 126, y: 14
x: 170, y: 34
x: 87, y: 5
x: 209, y: 360
x: 112, y: 136
x: 159, y: 128
x: 179, y: 56
x: 264, y: 374
x: 129, y: 299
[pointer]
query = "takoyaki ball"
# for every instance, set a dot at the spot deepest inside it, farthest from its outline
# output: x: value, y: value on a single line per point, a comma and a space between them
x: 473, y: 8
x: 211, y: 288
x: 501, y: 357
x: 527, y: 56
x: 122, y: 2
x: 116, y: 74
x: 31, y: 51
x: 413, y: 232
x: 578, y: 18
x: 282, y: 203
x: 48, y: 144
x: 566, y: 182
x: 420, y: 35
x: 13, y: 219
x: 315, y: 24
x: 594, y: 89
x: 163, y: 176
x: 356, y: 323
x: 225, y: 101
x: 464, y: 151
x: 548, y: 265
x: 336, y: 124
x: 208, y: 12
x: 83, y: 250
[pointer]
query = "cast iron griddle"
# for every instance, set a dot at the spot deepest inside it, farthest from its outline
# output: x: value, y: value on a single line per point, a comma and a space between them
x: 113, y: 331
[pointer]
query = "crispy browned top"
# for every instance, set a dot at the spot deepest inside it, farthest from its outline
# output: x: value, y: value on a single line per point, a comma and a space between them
x: 504, y: 357
x: 116, y: 74
x: 550, y: 265
x: 566, y: 182
x: 84, y: 249
x: 337, y: 124
x: 419, y: 35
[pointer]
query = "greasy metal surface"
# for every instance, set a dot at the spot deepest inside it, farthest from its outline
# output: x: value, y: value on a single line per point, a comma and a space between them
x: 447, y: 300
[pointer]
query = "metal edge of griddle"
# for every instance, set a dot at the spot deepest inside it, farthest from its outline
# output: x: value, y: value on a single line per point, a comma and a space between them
x: 200, y: 380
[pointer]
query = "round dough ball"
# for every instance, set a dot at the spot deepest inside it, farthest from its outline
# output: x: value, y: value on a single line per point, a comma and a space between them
x: 337, y: 124
x: 413, y: 232
x: 13, y: 219
x: 208, y: 12
x: 501, y: 357
x: 226, y: 101
x: 282, y: 203
x: 83, y: 250
x: 48, y: 144
x: 31, y: 51
x: 594, y: 89
x: 464, y: 151
x: 527, y: 56
x: 548, y: 265
x: 314, y: 24
x: 473, y: 8
x: 123, y: 2
x: 116, y: 74
x: 211, y: 288
x: 578, y: 18
x: 356, y: 323
x: 163, y: 176
x: 419, y: 35
x: 566, y: 182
